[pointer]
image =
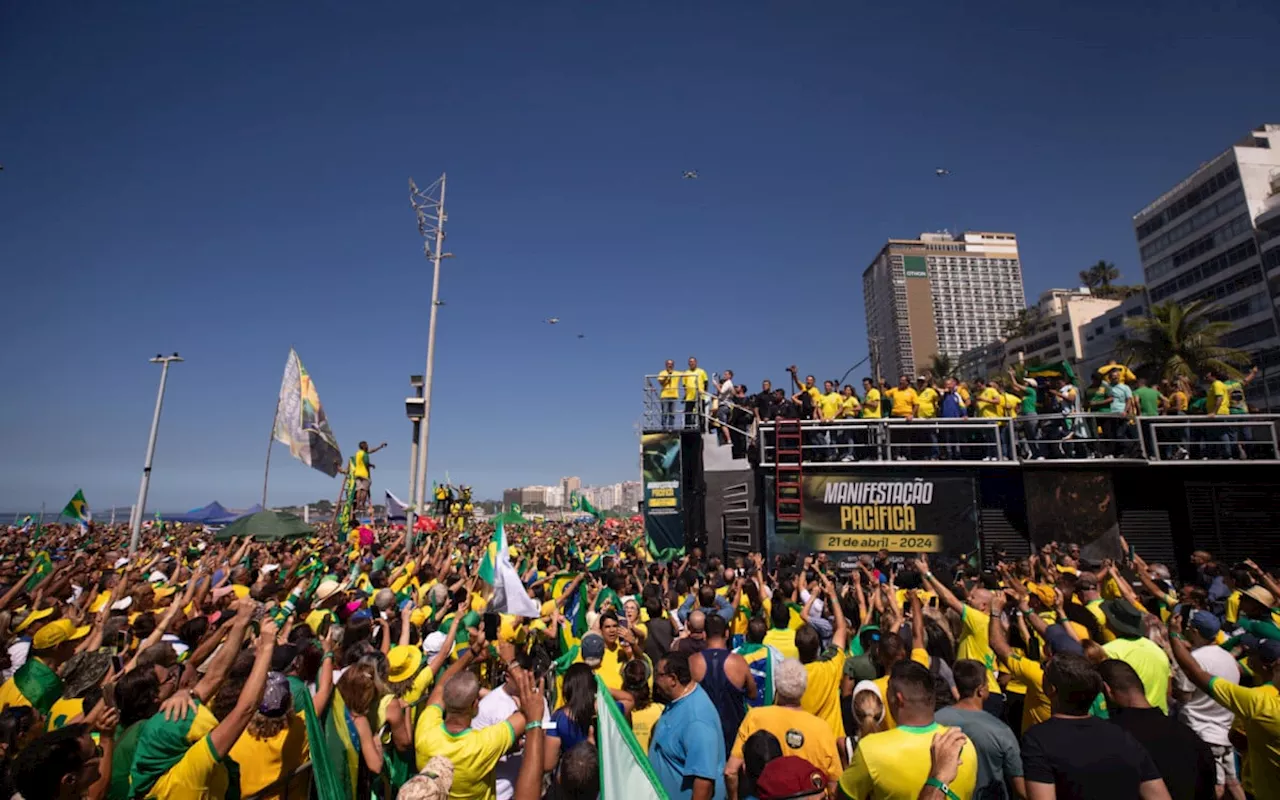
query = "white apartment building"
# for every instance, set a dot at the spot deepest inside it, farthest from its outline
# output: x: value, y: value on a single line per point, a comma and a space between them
x: 1057, y: 337
x: 1101, y: 335
x: 940, y: 293
x: 1206, y: 238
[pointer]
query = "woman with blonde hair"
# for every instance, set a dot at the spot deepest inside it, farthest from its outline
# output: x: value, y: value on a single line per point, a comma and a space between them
x: 353, y: 747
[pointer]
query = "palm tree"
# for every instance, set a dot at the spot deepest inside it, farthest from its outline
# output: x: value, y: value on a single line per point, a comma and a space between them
x: 1024, y: 323
x: 942, y: 366
x: 1180, y: 341
x: 1100, y: 277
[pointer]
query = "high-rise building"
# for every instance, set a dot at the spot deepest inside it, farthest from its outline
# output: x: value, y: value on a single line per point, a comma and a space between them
x: 1053, y: 333
x: 940, y: 293
x: 570, y: 485
x: 1216, y: 236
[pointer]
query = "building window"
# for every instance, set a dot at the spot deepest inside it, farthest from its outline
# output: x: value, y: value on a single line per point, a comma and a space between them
x: 1116, y: 322
x: 1189, y: 200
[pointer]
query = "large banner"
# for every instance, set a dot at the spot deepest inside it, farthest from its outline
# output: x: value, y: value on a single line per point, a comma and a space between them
x: 1074, y: 508
x: 902, y: 512
x: 301, y: 422
x: 660, y: 467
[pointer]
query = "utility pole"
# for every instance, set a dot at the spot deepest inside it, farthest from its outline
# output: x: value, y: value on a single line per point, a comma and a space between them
x: 428, y: 206
x: 413, y: 409
x: 135, y: 518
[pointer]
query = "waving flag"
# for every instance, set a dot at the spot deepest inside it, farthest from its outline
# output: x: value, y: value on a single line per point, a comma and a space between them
x: 78, y: 509
x: 301, y: 423
x: 579, y: 503
x: 395, y: 507
x: 497, y: 550
x: 625, y: 770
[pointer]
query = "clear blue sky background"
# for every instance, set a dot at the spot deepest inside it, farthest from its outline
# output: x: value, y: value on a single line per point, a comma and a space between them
x: 229, y: 179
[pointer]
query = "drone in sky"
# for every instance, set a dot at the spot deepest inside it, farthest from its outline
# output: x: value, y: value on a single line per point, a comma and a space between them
x: 691, y: 174
x: 582, y: 336
x: 552, y: 320
x: 941, y: 172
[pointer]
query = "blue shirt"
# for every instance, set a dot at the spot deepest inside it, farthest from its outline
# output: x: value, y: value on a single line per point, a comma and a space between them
x: 1120, y: 394
x: 953, y: 405
x: 687, y: 743
x: 723, y: 608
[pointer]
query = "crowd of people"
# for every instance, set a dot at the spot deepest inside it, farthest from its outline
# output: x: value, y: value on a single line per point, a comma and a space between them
x: 367, y: 664
x: 1053, y: 418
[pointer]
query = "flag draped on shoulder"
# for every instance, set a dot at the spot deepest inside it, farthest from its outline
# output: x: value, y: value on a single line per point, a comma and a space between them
x: 301, y: 422
x: 625, y: 770
x: 78, y: 509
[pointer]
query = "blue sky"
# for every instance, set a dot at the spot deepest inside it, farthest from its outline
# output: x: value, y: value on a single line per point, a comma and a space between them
x: 228, y: 180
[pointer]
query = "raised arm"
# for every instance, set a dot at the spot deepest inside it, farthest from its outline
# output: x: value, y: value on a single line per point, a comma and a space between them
x: 222, y: 662
x: 840, y: 638
x: 232, y: 725
x: 944, y: 594
x: 995, y: 628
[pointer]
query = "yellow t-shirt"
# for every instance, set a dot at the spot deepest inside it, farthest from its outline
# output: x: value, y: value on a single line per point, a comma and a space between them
x: 1246, y: 775
x: 1233, y: 606
x: 642, y: 722
x: 421, y: 683
x: 784, y: 640
x: 1218, y: 389
x: 610, y: 670
x: 829, y: 405
x: 871, y: 404
x: 973, y: 643
x: 264, y: 761
x: 849, y: 407
x: 990, y: 403
x: 1260, y: 712
x: 927, y: 401
x: 360, y: 464
x: 695, y: 383
x: 473, y: 753
x: 920, y: 657
x: 1035, y: 709
x: 1011, y: 405
x: 903, y: 400
x: 669, y: 380
x: 894, y: 764
x: 822, y: 696
x: 799, y: 732
x: 200, y: 775
x: 1178, y: 401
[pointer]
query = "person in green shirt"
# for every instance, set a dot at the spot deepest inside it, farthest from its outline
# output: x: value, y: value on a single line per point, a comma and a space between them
x: 1027, y: 390
x: 1149, y: 401
x: 1238, y: 405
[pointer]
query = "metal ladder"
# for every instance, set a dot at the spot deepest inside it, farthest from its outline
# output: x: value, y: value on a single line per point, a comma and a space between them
x: 788, y: 473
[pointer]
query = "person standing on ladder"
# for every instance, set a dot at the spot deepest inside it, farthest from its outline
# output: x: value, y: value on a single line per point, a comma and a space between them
x: 358, y: 470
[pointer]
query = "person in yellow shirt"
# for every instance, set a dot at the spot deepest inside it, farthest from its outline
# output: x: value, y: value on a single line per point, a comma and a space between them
x: 871, y: 401
x: 668, y: 393
x: 850, y: 408
x: 902, y: 397
x: 804, y: 734
x: 927, y: 401
x: 358, y: 468
x: 1218, y: 403
x: 695, y: 386
x: 822, y: 698
x: 781, y: 635
x: 36, y: 683
x: 444, y: 727
x: 895, y: 764
x: 990, y: 405
x: 974, y: 620
x: 826, y: 408
x: 274, y: 746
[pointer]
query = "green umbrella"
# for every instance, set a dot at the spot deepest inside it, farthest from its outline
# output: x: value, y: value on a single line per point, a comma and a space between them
x: 267, y: 526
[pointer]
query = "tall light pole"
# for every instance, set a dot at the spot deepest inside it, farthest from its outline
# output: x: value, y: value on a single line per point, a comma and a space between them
x: 135, y: 520
x: 428, y: 205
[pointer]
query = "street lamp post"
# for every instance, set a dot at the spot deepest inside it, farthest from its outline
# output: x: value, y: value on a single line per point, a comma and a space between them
x: 135, y: 522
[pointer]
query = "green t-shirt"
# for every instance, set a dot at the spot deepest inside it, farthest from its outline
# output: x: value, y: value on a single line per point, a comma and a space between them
x: 1235, y: 394
x: 1029, y: 400
x: 1148, y: 400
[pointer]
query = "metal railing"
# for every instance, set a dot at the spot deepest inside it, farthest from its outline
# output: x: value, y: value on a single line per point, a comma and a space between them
x: 1226, y: 438
x: 892, y: 439
x: 706, y: 412
x: 1033, y: 438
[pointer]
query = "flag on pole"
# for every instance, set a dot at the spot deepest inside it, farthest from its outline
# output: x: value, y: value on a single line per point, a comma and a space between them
x: 510, y: 595
x: 44, y: 565
x: 26, y: 524
x: 579, y: 503
x: 301, y: 422
x: 78, y: 509
x: 497, y: 549
x: 395, y: 507
x: 625, y: 770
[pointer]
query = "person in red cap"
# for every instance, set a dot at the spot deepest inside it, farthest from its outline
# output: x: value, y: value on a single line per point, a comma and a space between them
x: 791, y: 778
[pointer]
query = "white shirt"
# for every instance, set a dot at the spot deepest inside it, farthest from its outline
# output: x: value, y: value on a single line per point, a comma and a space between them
x: 18, y: 653
x: 1210, y: 720
x: 726, y: 390
x: 496, y: 707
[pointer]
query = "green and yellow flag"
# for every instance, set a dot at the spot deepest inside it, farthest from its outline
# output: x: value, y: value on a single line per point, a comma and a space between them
x: 78, y: 510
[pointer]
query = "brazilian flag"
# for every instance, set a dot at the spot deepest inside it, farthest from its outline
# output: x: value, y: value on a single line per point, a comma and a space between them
x: 1057, y: 369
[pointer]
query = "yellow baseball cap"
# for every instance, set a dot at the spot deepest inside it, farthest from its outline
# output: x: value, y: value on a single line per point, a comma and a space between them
x: 57, y: 632
x: 32, y: 618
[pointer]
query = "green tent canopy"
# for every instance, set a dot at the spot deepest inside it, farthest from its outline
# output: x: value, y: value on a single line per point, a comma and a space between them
x: 266, y: 526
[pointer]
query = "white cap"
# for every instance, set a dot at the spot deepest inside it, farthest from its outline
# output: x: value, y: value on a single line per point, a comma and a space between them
x: 433, y: 643
x: 122, y: 604
x: 1030, y: 381
x: 120, y: 562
